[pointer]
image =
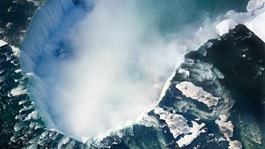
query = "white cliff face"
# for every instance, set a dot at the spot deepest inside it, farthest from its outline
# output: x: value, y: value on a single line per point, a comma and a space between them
x: 40, y: 29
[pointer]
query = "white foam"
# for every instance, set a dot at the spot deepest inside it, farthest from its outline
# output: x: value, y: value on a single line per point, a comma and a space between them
x: 148, y: 121
x: 188, y: 89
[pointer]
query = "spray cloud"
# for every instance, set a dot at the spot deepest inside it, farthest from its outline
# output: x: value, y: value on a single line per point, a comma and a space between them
x: 111, y: 65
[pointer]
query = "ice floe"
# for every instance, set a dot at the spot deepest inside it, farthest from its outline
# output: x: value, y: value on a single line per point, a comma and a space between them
x: 195, y: 131
x: 2, y: 43
x: 178, y: 125
x: 227, y: 129
x: 188, y: 89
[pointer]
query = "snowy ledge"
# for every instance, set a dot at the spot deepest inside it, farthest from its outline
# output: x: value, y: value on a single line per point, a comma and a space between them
x: 254, y: 19
x: 188, y: 89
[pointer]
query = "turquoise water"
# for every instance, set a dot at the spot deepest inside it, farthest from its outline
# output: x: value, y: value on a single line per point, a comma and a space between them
x: 176, y: 15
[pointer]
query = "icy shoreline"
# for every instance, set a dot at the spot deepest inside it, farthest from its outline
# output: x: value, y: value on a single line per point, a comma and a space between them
x: 254, y: 19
